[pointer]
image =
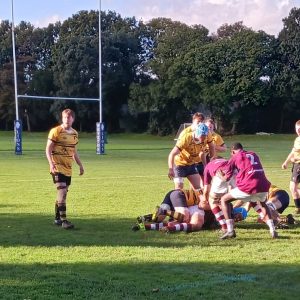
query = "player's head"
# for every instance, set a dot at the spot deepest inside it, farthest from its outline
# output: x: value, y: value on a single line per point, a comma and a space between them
x: 239, y: 214
x: 210, y: 124
x: 198, y: 117
x: 200, y: 133
x: 236, y: 147
x: 68, y: 117
x: 297, y: 127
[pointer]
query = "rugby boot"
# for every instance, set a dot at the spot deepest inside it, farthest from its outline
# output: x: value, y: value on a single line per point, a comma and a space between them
x: 67, y: 224
x: 228, y: 235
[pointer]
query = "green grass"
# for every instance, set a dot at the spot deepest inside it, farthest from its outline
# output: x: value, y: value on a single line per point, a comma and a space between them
x: 102, y: 258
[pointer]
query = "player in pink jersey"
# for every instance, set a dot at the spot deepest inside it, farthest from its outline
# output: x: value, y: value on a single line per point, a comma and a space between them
x: 251, y: 186
x: 215, y: 188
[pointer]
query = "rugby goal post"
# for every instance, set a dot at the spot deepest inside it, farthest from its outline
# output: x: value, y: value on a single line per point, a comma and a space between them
x: 181, y: 127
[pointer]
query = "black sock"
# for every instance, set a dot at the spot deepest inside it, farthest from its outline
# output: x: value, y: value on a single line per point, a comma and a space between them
x: 297, y: 202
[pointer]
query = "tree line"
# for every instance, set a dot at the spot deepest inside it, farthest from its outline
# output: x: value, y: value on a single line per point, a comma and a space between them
x: 154, y: 74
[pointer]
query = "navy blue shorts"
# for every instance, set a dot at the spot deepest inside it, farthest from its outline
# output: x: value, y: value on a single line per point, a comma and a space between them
x: 175, y: 198
x: 185, y: 171
x: 200, y: 168
x: 178, y: 199
x: 59, y: 177
x: 283, y: 198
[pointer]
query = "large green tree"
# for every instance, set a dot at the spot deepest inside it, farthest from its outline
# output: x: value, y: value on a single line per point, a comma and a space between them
x: 286, y: 72
x: 157, y: 93
x: 76, y: 62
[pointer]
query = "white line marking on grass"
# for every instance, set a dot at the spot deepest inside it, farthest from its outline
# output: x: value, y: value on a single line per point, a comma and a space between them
x: 82, y: 178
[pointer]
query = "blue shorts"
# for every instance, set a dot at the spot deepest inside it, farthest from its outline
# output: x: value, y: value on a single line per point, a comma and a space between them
x: 185, y: 171
x: 200, y: 168
x: 283, y: 197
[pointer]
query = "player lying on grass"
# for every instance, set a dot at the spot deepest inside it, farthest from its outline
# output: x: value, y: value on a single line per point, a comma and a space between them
x: 278, y: 200
x: 184, y: 214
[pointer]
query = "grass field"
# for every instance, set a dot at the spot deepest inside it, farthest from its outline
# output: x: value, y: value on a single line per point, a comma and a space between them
x: 102, y: 258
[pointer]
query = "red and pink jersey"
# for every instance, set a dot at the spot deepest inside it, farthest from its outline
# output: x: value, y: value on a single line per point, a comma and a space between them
x: 211, y: 169
x: 250, y: 177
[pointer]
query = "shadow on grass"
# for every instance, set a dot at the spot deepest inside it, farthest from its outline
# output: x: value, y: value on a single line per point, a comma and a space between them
x: 149, y: 281
x: 39, y: 230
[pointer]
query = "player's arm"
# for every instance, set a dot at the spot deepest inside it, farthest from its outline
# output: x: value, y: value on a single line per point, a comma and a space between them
x: 221, y: 148
x: 211, y: 148
x: 288, y: 159
x: 49, y: 149
x: 171, y: 157
x: 220, y: 145
x: 78, y: 161
x: 202, y: 156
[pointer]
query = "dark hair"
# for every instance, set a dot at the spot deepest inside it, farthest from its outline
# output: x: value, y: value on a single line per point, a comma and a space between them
x: 236, y: 146
x: 198, y: 115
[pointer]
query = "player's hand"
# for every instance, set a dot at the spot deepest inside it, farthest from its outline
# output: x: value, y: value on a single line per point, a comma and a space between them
x: 284, y: 165
x: 53, y: 169
x: 171, y: 174
x: 81, y: 170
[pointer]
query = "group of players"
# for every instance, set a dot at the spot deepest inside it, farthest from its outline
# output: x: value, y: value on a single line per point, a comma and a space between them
x: 216, y: 182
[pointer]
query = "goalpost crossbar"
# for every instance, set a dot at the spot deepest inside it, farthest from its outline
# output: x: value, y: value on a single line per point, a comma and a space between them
x: 57, y: 98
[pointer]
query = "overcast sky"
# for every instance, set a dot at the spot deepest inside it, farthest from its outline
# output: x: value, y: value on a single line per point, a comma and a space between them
x: 264, y: 15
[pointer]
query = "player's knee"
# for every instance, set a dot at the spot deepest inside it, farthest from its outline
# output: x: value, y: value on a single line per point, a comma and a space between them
x: 178, y: 182
x: 165, y: 206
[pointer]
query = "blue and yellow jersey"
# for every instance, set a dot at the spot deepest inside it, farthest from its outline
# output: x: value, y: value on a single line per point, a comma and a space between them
x: 65, y: 142
x: 189, y: 150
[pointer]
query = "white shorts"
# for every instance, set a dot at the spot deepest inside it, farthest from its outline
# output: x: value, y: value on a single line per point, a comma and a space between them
x: 195, y: 209
x: 218, y: 186
x: 238, y: 194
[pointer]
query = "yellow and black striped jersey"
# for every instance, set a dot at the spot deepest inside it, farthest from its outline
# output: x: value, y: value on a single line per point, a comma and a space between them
x: 272, y: 190
x: 189, y: 150
x: 65, y: 142
x: 191, y: 197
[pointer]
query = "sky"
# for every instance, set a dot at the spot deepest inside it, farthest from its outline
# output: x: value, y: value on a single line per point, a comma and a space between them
x: 264, y: 15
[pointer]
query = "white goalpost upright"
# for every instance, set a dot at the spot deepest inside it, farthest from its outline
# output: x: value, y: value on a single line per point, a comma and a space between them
x: 100, y: 128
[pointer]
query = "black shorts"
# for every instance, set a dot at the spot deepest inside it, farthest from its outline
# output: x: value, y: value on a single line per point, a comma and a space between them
x: 200, y: 168
x: 295, y: 173
x: 177, y: 198
x: 283, y: 197
x: 59, y: 177
x: 185, y: 171
x: 167, y: 200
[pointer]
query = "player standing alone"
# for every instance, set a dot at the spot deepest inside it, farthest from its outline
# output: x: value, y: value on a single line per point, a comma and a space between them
x: 294, y: 157
x: 60, y: 152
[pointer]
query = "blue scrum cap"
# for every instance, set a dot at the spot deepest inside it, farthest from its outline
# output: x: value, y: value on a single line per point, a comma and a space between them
x: 201, y: 129
x: 242, y: 211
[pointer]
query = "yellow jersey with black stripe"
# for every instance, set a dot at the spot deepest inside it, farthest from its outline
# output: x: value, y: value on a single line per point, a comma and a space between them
x: 191, y: 197
x: 217, y: 140
x: 272, y: 190
x: 296, y: 150
x: 189, y: 150
x: 65, y: 142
